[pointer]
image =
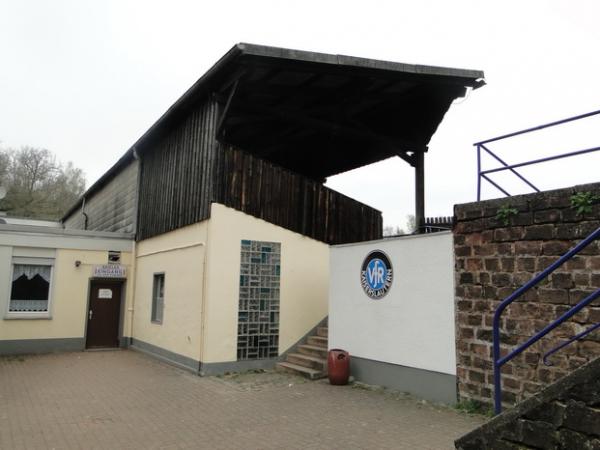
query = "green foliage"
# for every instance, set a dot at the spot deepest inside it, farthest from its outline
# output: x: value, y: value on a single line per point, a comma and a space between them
x: 474, y: 407
x: 582, y: 202
x: 37, y: 185
x: 505, y: 213
x: 19, y: 358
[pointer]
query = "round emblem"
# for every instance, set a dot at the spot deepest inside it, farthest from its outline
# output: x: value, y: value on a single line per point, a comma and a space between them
x: 376, y: 275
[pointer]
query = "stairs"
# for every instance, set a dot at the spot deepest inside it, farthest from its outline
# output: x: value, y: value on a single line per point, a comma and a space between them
x: 310, y: 358
x: 564, y: 415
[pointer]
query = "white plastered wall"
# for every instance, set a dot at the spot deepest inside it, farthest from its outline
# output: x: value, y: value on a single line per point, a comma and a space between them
x: 303, y: 290
x: 180, y: 255
x: 413, y: 325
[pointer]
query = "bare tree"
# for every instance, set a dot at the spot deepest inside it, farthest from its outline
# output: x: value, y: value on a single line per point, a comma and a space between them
x: 396, y: 230
x: 4, y: 165
x: 38, y: 186
x: 390, y: 230
x: 411, y: 223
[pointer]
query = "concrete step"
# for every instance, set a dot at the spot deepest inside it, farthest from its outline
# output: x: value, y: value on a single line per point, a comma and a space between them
x: 317, y: 341
x: 312, y: 362
x: 300, y: 370
x: 323, y: 331
x: 312, y: 350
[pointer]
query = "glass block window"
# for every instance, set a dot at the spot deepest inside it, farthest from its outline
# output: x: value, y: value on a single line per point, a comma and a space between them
x: 258, y: 316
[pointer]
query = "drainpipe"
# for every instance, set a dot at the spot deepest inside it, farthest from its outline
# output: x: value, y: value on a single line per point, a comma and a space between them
x: 136, y: 156
x: 134, y: 255
x: 131, y: 308
x: 83, y: 213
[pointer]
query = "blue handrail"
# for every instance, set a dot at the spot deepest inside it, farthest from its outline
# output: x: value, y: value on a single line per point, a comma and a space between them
x: 500, y: 361
x: 568, y: 342
x: 481, y: 145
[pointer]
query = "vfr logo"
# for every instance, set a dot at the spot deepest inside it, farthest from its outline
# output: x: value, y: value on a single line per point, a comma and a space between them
x: 376, y: 274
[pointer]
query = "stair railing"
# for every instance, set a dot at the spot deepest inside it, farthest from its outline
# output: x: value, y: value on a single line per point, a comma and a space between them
x: 577, y: 337
x: 499, y: 360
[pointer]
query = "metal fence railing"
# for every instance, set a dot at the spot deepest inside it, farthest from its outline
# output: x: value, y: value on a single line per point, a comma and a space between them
x: 484, y: 146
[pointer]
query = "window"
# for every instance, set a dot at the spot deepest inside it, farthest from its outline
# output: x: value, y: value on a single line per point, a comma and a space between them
x: 30, y: 286
x: 258, y: 313
x: 114, y: 257
x: 158, y: 297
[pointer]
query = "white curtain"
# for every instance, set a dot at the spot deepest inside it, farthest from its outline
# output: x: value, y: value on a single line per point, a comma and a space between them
x: 30, y: 271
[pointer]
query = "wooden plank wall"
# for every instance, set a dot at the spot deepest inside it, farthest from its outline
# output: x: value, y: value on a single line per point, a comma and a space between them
x: 436, y: 224
x: 177, y: 176
x: 112, y: 208
x: 186, y: 170
x: 279, y: 196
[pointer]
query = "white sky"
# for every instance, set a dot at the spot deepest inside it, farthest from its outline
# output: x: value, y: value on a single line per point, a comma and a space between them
x: 85, y: 79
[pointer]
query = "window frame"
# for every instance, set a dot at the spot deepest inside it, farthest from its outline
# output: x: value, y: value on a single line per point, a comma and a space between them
x: 31, y: 261
x: 154, y: 301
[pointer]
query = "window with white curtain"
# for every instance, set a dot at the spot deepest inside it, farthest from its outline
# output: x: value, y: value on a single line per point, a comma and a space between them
x: 30, y: 288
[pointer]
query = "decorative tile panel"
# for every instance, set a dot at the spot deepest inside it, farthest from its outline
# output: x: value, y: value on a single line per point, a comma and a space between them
x: 258, y: 316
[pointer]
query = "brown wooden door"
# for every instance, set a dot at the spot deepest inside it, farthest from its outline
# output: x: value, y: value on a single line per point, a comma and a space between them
x: 104, y: 314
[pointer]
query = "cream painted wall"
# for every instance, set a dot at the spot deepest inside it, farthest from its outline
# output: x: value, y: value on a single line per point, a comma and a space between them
x: 180, y: 255
x: 304, y: 281
x: 69, y: 294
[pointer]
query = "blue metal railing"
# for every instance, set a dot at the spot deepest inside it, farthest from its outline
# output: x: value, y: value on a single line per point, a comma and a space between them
x: 499, y: 360
x: 483, y: 174
x: 568, y: 342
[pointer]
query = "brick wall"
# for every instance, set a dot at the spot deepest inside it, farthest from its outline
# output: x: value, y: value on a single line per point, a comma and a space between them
x: 493, y: 259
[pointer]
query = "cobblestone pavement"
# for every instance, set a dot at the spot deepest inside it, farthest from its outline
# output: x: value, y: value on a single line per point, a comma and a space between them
x: 126, y: 400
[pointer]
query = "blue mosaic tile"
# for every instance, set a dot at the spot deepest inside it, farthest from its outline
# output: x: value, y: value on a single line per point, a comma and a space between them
x: 258, y: 317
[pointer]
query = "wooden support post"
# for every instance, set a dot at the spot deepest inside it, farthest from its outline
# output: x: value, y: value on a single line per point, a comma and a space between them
x: 226, y: 109
x: 419, y: 189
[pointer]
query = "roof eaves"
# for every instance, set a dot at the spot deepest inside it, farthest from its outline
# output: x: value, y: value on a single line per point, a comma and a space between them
x: 354, y: 61
x: 473, y: 78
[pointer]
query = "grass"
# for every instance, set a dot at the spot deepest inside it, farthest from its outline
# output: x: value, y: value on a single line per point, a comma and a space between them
x: 475, y: 407
x: 19, y: 358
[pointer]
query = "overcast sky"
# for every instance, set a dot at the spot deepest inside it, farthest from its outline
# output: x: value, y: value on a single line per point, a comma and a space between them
x: 85, y: 79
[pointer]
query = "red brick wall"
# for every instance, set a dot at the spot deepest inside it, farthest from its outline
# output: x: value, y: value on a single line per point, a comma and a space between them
x: 493, y: 259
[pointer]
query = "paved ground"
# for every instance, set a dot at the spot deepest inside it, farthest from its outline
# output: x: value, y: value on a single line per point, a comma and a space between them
x: 126, y: 400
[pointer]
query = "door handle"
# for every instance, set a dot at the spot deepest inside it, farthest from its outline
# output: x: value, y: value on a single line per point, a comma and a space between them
x: 91, y: 314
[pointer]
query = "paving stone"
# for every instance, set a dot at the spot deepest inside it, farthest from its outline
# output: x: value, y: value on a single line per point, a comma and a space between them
x: 127, y: 400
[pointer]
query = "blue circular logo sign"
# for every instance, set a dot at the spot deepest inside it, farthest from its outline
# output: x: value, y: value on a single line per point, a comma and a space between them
x: 376, y: 275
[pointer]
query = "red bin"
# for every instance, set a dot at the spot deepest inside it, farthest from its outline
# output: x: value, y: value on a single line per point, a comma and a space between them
x: 338, y: 366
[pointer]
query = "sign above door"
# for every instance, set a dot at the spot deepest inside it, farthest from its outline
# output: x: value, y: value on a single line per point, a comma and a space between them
x: 109, y: 271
